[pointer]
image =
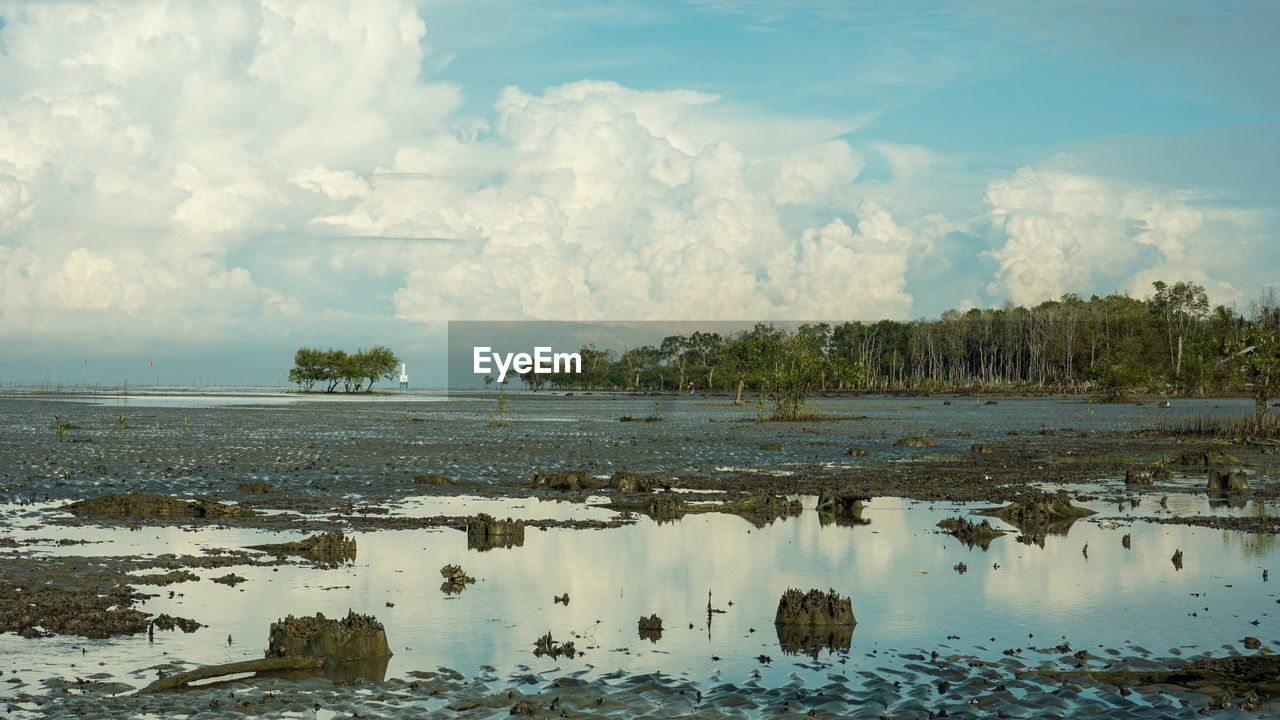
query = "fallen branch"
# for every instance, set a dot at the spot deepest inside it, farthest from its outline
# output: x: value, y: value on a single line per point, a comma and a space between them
x: 272, y: 664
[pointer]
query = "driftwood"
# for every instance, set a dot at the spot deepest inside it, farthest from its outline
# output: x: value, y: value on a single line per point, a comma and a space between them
x: 301, y: 643
x: 271, y: 664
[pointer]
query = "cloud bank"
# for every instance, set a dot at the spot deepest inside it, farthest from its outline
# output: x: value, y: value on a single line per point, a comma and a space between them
x: 196, y: 170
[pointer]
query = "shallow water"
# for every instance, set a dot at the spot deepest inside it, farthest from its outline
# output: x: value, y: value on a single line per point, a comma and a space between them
x: 897, y: 569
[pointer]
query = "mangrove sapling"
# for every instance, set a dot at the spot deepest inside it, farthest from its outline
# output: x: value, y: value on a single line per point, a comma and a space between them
x: 499, y: 417
x: 120, y: 421
x: 60, y: 428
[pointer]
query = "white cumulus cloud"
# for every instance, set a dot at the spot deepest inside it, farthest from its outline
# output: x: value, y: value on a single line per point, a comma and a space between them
x: 1063, y: 231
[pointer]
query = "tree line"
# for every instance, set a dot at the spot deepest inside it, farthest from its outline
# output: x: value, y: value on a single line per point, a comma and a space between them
x: 1170, y: 342
x: 333, y: 368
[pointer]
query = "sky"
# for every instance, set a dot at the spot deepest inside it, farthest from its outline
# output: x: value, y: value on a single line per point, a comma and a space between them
x: 211, y: 185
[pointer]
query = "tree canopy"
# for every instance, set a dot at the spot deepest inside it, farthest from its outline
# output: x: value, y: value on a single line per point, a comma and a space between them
x: 1171, y: 341
x: 333, y: 368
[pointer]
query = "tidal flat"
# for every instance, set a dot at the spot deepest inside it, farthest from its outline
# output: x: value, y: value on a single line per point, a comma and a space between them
x: 160, y: 534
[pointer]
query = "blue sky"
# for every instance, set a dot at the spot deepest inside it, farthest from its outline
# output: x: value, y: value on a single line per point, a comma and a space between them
x: 210, y: 181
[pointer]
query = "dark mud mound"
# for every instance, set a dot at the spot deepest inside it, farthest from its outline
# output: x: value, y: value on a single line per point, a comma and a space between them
x: 1251, y: 678
x: 841, y: 508
x: 165, y: 621
x: 256, y: 486
x: 666, y: 507
x: 354, y: 638
x: 1227, y: 480
x: 1039, y: 514
x: 814, y: 609
x: 627, y: 481
x: 485, y: 532
x: 455, y: 579
x: 915, y: 442
x: 650, y: 628
x: 1034, y: 508
x: 1254, y: 525
x: 1133, y: 478
x: 814, y: 621
x: 662, y: 507
x: 1202, y: 458
x: 568, y: 480
x: 327, y: 548
x: 137, y: 506
x: 167, y: 578
x: 970, y: 533
x: 761, y: 509
x: 45, y: 612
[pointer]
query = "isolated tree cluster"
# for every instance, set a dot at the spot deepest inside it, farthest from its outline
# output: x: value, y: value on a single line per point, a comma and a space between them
x: 353, y: 372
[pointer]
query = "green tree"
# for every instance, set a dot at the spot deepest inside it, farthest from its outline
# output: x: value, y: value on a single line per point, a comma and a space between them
x: 797, y: 374
x: 378, y: 363
x: 751, y: 352
x: 673, y: 350
x: 705, y: 348
x: 308, y: 368
x: 337, y: 367
x: 1259, y: 365
x: 1180, y: 307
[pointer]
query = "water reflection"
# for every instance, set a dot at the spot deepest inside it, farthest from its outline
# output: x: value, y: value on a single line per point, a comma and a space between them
x: 906, y: 593
x: 811, y: 641
x: 1219, y: 499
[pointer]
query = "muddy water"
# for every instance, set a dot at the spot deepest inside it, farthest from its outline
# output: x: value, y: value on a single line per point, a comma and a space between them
x: 898, y: 570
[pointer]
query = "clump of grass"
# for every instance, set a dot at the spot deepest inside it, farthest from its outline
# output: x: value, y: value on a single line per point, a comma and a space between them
x: 120, y: 421
x: 1227, y: 428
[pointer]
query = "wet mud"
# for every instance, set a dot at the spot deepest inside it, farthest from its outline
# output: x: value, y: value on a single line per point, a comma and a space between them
x: 261, y: 474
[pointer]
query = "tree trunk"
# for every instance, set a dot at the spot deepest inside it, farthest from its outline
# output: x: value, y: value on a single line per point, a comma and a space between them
x: 1177, y: 365
x: 273, y: 664
x: 741, y: 379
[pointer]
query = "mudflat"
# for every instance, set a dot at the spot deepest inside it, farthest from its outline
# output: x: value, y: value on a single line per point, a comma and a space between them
x: 173, y: 539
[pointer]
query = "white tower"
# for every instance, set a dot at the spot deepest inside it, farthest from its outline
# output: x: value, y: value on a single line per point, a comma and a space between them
x: 404, y: 376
